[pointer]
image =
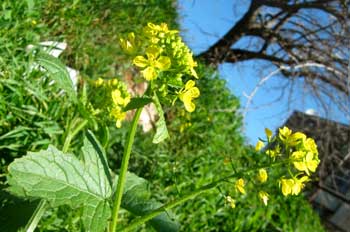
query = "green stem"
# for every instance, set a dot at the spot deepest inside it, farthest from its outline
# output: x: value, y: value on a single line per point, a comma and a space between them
x: 40, y: 209
x: 35, y: 218
x: 137, y: 222
x: 71, y: 135
x: 123, y: 170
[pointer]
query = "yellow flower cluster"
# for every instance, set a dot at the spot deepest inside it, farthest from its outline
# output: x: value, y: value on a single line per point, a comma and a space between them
x: 293, y: 185
x: 121, y: 98
x: 153, y: 63
x: 240, y: 187
x: 302, y: 155
x: 296, y: 151
x: 117, y: 98
x: 165, y: 62
x: 302, y: 152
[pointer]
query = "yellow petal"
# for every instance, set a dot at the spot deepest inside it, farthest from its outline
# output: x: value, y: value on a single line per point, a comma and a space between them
x: 262, y: 175
x: 149, y: 73
x: 287, y: 185
x: 194, y: 73
x: 189, y: 84
x: 240, y: 186
x: 140, y: 61
x: 193, y: 92
x: 296, y: 188
x: 301, y: 166
x: 163, y: 63
x: 153, y: 52
x: 284, y: 133
x: 259, y: 145
x: 298, y: 135
x: 312, y: 165
x: 268, y: 133
x: 116, y: 96
x: 189, y: 105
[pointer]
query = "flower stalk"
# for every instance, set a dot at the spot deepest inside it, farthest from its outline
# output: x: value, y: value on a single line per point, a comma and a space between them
x: 123, y: 170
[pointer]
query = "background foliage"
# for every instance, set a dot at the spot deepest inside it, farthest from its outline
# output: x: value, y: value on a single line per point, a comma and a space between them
x: 203, y: 145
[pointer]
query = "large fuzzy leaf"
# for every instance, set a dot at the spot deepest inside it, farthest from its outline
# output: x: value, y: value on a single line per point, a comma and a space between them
x: 62, y: 179
x: 136, y: 199
x: 58, y: 72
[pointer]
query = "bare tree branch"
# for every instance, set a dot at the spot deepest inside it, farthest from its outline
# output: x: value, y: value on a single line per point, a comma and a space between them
x: 307, y: 39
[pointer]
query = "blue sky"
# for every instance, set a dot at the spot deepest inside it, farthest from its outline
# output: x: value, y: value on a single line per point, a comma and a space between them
x: 202, y: 23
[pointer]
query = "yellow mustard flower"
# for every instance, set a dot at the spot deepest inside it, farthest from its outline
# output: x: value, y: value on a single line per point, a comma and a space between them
x: 296, y: 139
x: 287, y: 185
x: 299, y: 184
x: 118, y: 99
x: 230, y: 201
x: 264, y: 196
x: 310, y: 145
x: 262, y: 175
x: 268, y: 133
x: 293, y: 186
x: 118, y: 115
x: 274, y: 153
x: 259, y: 145
x: 188, y: 94
x: 153, y: 63
x: 128, y: 45
x: 191, y: 64
x: 240, y: 185
x: 305, y: 161
x: 284, y: 133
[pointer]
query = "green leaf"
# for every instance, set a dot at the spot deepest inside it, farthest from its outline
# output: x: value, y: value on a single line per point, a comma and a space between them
x: 95, y: 159
x: 161, y: 129
x: 58, y: 72
x: 136, y: 199
x: 62, y: 179
x: 137, y: 102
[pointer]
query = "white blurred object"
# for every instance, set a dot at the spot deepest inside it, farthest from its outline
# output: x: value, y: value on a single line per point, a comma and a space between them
x: 55, y: 49
x: 311, y: 112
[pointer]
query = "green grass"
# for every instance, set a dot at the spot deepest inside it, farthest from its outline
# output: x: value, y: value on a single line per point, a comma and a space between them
x: 32, y: 112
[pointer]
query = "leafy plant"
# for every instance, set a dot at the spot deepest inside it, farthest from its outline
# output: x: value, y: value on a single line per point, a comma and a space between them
x: 62, y: 179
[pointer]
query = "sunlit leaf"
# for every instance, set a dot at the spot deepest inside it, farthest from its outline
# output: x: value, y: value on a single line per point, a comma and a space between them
x: 161, y: 129
x: 58, y: 72
x: 62, y: 179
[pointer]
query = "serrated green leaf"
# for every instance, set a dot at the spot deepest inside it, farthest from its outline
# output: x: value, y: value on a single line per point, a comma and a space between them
x: 136, y: 199
x: 62, y: 179
x: 137, y: 102
x: 58, y: 72
x: 161, y: 129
